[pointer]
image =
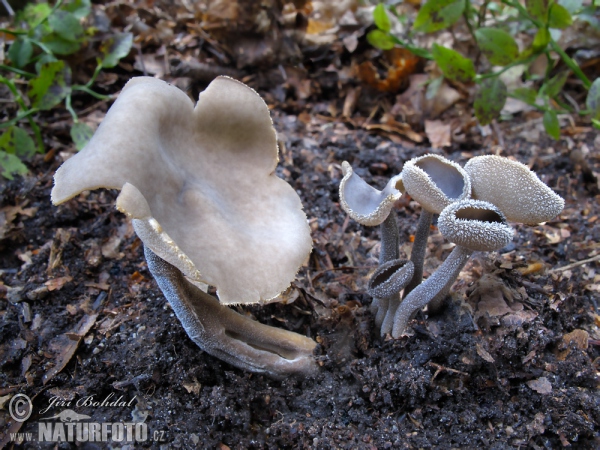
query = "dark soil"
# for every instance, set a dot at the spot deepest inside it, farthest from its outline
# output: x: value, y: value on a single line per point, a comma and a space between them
x: 468, y: 377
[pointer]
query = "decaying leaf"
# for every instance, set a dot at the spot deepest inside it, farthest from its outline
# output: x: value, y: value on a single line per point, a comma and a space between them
x: 67, y: 345
x: 540, y: 385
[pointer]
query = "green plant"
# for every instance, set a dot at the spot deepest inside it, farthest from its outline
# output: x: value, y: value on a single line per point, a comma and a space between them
x: 39, y: 77
x: 491, y: 25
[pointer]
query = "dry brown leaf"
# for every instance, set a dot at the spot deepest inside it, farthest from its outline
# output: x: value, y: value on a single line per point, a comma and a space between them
x: 401, y: 64
x: 67, y: 345
x: 484, y: 353
x: 540, y: 385
x: 438, y: 133
x: 579, y: 337
x: 56, y: 284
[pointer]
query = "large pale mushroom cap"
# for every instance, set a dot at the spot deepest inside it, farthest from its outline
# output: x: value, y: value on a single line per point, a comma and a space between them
x: 199, y: 183
x: 435, y: 182
x: 365, y: 204
x: 476, y: 225
x: 513, y: 188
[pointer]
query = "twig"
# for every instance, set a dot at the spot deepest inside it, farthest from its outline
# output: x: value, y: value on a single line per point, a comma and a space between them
x: 576, y: 264
x: 9, y: 10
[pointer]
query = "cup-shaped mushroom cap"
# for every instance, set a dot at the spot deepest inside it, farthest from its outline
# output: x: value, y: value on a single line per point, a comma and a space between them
x: 435, y: 182
x: 390, y: 278
x: 513, y: 188
x: 200, y: 182
x: 365, y: 204
x: 475, y: 225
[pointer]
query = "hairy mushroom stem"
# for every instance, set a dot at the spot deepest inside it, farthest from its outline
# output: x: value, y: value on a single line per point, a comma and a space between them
x: 417, y: 254
x: 473, y: 225
x: 227, y: 335
x: 425, y: 292
x: 434, y: 182
x: 370, y: 207
x: 390, y: 244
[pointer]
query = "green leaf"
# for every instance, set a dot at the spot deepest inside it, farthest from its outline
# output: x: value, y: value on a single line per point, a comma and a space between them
x: 34, y: 14
x: 66, y: 25
x: 551, y: 124
x: 20, y: 52
x: 438, y: 14
x: 381, y: 19
x: 538, y: 9
x: 489, y: 100
x: 541, y: 39
x: 593, y: 99
x: 51, y: 86
x: 81, y: 134
x: 60, y: 46
x: 16, y: 141
x: 79, y: 8
x: 559, y: 17
x: 454, y: 65
x: 572, y: 6
x: 556, y: 83
x: 497, y: 45
x: 44, y: 59
x: 525, y: 94
x: 115, y: 48
x: 381, y: 40
x: 11, y: 165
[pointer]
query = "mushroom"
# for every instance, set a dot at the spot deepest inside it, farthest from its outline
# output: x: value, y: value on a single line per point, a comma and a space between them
x: 199, y: 185
x: 434, y: 182
x: 513, y: 188
x: 473, y: 225
x: 371, y: 207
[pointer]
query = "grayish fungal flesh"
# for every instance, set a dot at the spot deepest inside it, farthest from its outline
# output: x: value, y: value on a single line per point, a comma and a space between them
x: 513, y: 188
x: 434, y: 182
x: 362, y: 202
x: 198, y: 183
x: 227, y: 335
x: 203, y: 178
x: 472, y: 225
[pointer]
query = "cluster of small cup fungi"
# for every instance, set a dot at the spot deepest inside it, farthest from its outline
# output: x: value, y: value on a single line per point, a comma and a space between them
x: 474, y: 204
x: 199, y: 184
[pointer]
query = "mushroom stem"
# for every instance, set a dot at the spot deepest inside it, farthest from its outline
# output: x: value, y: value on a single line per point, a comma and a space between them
x: 441, y: 279
x: 417, y: 255
x: 227, y: 335
x: 390, y: 240
x: 390, y: 243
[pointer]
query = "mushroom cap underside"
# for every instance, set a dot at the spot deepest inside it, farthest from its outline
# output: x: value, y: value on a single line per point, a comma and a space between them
x: 435, y: 182
x: 476, y: 225
x: 206, y: 175
x: 362, y: 202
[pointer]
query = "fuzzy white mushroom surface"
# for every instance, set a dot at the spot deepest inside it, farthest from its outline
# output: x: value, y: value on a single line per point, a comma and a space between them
x: 362, y: 202
x: 435, y: 182
x: 476, y: 225
x: 513, y: 188
x: 199, y: 182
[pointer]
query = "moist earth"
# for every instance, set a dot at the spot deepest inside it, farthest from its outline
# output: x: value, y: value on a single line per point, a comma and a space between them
x: 510, y: 362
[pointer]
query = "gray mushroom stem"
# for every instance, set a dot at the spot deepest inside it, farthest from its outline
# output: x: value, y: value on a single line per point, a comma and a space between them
x: 390, y: 242
x: 227, y: 335
x: 417, y: 255
x: 440, y: 281
x: 390, y: 239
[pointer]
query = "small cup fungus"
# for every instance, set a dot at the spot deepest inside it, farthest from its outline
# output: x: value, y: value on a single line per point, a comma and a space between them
x: 473, y: 226
x: 199, y: 184
x: 501, y: 190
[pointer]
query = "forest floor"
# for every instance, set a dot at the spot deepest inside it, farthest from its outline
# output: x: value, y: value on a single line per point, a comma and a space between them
x: 511, y: 362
